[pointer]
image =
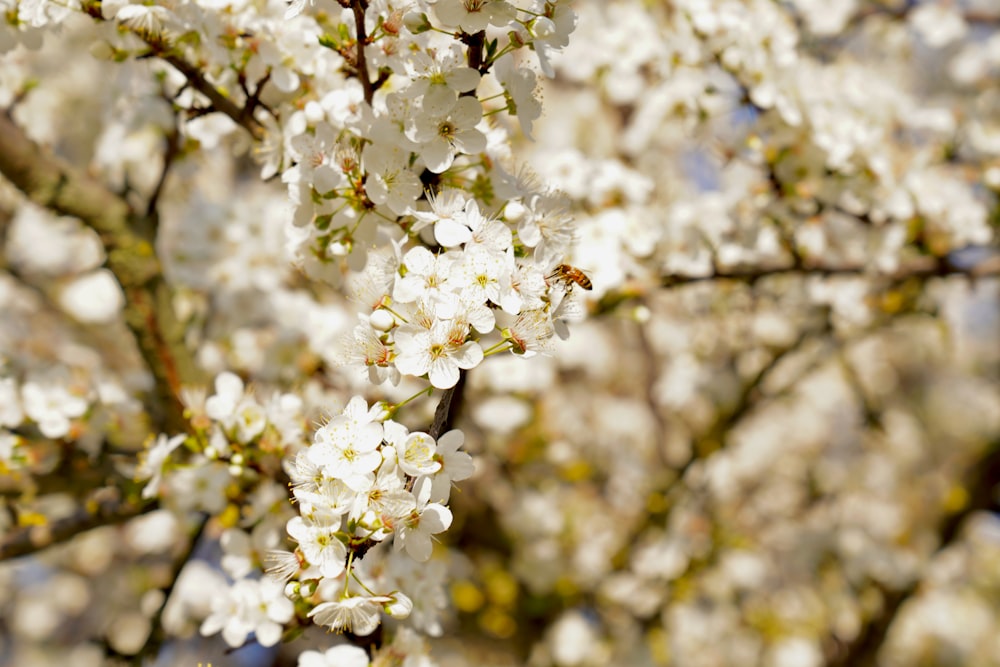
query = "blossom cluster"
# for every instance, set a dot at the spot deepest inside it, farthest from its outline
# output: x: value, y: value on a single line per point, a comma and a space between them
x: 47, y: 402
x: 427, y: 311
x: 365, y: 480
x: 232, y: 432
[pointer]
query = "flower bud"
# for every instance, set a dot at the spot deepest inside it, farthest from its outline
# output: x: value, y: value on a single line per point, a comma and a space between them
x: 514, y: 211
x: 416, y: 22
x: 382, y: 320
x: 400, y: 605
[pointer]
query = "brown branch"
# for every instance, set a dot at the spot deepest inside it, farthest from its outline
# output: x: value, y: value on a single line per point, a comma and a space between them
x: 359, y: 6
x: 444, y: 417
x: 930, y: 268
x: 922, y: 269
x: 50, y: 182
x: 171, y: 152
x: 161, y: 48
x: 712, y: 439
x: 903, y: 11
x: 475, y: 42
x: 242, y: 116
x: 28, y: 540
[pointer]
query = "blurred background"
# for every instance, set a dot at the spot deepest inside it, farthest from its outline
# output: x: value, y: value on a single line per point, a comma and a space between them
x: 775, y: 439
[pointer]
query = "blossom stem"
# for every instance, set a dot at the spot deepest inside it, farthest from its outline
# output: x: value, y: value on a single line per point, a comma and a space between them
x: 502, y: 346
x: 350, y: 571
x: 394, y: 313
x: 502, y: 52
x: 529, y: 12
x: 394, y: 409
x: 356, y: 578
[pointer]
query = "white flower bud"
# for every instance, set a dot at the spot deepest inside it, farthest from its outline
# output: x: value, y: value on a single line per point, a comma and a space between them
x: 382, y: 320
x: 416, y: 22
x: 400, y: 606
x: 514, y: 211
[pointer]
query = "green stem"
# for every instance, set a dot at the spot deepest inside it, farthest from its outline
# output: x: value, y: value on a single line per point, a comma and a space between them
x: 394, y: 409
x: 394, y: 314
x: 350, y: 571
x: 362, y: 584
x: 494, y: 349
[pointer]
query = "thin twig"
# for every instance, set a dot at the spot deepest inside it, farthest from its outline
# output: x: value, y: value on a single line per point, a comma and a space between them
x: 170, y: 153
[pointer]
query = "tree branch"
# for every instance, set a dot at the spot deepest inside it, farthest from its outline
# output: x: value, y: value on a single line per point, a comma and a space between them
x: 443, y: 415
x: 240, y: 115
x: 162, y: 49
x: 358, y: 7
x: 149, y: 314
x: 93, y: 514
x: 931, y: 267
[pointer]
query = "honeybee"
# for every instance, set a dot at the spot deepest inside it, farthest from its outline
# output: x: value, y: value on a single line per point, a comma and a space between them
x: 569, y: 275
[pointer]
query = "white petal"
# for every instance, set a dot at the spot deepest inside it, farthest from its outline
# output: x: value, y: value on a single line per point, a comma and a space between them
x: 462, y: 79
x: 470, y: 142
x: 368, y: 437
x: 438, y: 155
x: 414, y: 364
x: 438, y: 100
x: 459, y: 466
x: 229, y: 385
x: 326, y: 178
x: 419, y: 260
x: 418, y: 545
x: 467, y: 112
x: 450, y: 441
x: 235, y: 632
x: 267, y: 634
x: 450, y: 233
x: 443, y: 373
x: 435, y: 519
x: 469, y: 355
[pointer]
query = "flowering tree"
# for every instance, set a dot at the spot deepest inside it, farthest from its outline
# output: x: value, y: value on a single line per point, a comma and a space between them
x: 314, y: 321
